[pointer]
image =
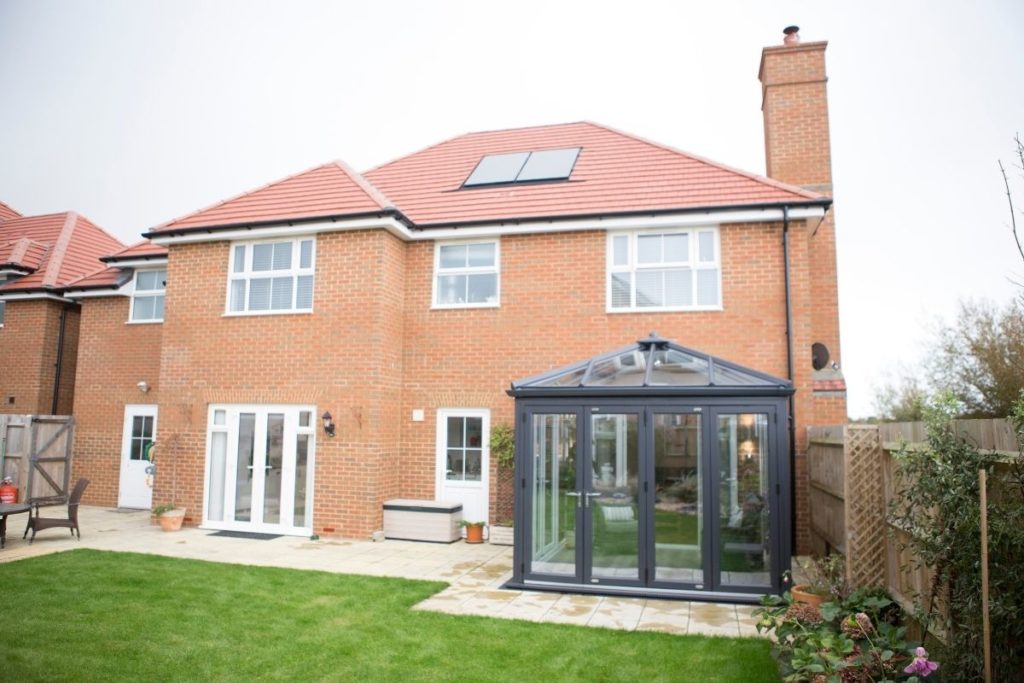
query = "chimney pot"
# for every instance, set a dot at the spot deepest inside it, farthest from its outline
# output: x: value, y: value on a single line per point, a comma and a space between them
x: 792, y: 35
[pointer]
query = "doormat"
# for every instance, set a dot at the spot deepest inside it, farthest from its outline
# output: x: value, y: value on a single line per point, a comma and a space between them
x: 246, y: 534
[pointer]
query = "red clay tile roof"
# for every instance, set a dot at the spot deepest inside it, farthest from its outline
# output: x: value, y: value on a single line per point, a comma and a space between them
x: 332, y: 189
x: 616, y: 173
x: 114, y: 276
x: 22, y: 254
x: 7, y: 213
x: 73, y: 247
x: 110, y: 277
x: 140, y: 250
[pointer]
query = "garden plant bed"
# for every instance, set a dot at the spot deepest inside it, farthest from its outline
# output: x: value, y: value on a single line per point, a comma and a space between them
x: 124, y: 616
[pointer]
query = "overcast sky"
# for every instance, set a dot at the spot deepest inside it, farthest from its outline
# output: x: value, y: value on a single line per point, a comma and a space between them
x: 136, y: 112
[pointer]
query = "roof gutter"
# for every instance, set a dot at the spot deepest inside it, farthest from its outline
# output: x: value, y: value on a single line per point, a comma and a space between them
x: 399, y: 225
x: 823, y: 203
x: 154, y: 233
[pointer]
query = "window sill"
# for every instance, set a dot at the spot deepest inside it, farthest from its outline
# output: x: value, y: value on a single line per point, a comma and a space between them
x: 700, y: 309
x: 254, y: 314
x: 459, y: 307
x: 144, y: 322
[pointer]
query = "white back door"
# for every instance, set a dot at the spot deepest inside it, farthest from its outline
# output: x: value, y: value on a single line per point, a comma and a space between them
x: 139, y: 432
x: 463, y: 456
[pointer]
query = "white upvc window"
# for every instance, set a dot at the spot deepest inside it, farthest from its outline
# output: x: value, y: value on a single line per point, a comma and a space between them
x: 147, y: 304
x: 467, y: 274
x: 665, y: 270
x: 271, y: 277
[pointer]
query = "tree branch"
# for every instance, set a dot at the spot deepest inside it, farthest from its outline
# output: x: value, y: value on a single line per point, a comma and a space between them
x: 1009, y: 195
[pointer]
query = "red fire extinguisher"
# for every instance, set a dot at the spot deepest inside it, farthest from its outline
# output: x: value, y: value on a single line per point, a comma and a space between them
x: 8, y: 491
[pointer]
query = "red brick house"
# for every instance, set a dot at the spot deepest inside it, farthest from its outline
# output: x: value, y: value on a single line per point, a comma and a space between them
x: 306, y: 351
x: 39, y: 256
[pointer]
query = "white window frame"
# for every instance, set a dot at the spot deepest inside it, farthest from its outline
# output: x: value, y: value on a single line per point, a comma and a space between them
x: 467, y: 270
x: 232, y: 411
x: 146, y: 292
x: 247, y: 274
x: 633, y: 267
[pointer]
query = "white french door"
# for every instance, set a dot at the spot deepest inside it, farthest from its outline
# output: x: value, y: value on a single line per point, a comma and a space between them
x: 259, y: 468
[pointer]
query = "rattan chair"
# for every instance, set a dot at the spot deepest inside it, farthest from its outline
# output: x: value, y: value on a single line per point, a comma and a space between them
x: 37, y: 523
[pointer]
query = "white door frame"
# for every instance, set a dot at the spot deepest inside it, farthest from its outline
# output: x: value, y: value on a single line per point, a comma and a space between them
x: 133, y: 471
x: 441, y: 482
x: 291, y: 429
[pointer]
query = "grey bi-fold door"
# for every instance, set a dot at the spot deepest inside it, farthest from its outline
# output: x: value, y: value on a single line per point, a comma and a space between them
x: 653, y: 497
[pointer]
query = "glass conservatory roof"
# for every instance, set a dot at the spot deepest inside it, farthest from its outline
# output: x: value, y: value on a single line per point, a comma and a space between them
x: 656, y: 366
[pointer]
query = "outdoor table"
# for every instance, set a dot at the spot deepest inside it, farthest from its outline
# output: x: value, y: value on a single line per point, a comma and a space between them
x: 9, y: 509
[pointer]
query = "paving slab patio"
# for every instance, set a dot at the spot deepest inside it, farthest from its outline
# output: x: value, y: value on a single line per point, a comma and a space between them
x: 475, y: 573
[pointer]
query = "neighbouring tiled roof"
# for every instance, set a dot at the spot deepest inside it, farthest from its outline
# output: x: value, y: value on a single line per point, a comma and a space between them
x: 7, y: 213
x: 110, y: 277
x: 73, y: 246
x: 114, y: 276
x: 22, y: 254
x: 332, y: 189
x: 140, y: 250
x: 615, y: 173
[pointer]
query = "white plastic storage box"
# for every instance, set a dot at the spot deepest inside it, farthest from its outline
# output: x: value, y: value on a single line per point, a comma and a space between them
x: 422, y: 520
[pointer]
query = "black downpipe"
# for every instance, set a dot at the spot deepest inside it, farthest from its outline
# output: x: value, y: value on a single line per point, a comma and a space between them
x: 789, y: 375
x: 60, y: 359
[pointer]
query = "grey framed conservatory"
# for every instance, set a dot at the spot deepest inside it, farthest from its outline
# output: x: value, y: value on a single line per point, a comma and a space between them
x: 652, y: 470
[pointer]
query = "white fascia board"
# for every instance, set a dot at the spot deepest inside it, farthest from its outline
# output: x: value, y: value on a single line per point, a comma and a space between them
x: 26, y: 296
x: 497, y: 229
x: 139, y: 263
x: 620, y: 223
x: 123, y: 290
x: 310, y: 228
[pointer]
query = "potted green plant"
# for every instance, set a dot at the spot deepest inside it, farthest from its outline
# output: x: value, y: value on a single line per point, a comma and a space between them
x: 826, y: 581
x: 169, y: 515
x: 501, y: 533
x: 474, y: 531
x: 503, y: 451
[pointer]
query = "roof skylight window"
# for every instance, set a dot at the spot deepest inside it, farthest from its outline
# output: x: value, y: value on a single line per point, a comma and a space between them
x: 522, y: 167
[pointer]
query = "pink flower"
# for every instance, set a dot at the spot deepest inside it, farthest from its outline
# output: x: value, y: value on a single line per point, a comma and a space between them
x: 921, y: 665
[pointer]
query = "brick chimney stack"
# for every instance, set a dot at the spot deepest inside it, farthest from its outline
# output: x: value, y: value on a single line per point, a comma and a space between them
x: 795, y: 107
x: 797, y: 151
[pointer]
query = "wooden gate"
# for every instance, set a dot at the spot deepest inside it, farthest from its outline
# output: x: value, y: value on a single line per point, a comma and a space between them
x: 35, y: 451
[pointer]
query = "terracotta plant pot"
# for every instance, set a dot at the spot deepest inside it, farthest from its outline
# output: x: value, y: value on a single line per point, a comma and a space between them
x: 171, y: 520
x: 802, y: 594
x: 475, y: 534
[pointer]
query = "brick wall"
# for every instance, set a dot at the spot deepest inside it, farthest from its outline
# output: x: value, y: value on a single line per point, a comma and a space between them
x: 114, y: 356
x: 374, y: 350
x: 28, y: 357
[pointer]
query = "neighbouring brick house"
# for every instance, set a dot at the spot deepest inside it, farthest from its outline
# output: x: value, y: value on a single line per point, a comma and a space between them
x: 401, y: 305
x: 39, y: 256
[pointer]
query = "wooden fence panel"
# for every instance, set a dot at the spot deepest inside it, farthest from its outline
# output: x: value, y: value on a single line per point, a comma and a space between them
x: 852, y: 480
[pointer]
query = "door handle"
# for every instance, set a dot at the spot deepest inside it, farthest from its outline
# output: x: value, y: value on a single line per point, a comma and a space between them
x: 588, y: 495
x: 575, y: 494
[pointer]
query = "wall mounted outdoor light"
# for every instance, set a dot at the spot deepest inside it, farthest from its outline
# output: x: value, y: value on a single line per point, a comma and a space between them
x: 328, y: 423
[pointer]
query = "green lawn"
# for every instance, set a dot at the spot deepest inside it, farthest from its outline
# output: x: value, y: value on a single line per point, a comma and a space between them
x: 88, y: 615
